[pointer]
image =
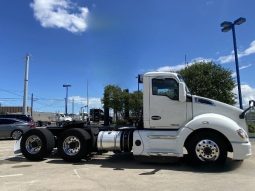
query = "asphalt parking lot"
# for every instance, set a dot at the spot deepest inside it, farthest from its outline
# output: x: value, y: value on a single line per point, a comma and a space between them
x: 120, y: 172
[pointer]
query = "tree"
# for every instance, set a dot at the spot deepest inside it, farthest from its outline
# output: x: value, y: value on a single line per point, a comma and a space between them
x: 136, y: 104
x: 122, y: 102
x: 113, y: 99
x: 106, y: 102
x: 210, y: 80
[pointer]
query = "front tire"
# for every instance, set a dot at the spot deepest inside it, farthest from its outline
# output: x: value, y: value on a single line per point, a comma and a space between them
x: 206, y: 148
x: 37, y: 144
x: 74, y: 145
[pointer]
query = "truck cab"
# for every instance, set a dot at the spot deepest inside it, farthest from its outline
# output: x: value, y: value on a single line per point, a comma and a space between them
x: 174, y: 119
x: 169, y: 104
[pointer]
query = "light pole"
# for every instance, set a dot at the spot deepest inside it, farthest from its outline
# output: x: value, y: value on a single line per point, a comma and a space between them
x: 227, y: 26
x: 24, y: 109
x: 66, y: 99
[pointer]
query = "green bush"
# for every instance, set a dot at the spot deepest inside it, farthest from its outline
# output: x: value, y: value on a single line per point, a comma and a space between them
x: 251, y: 127
x: 121, y: 122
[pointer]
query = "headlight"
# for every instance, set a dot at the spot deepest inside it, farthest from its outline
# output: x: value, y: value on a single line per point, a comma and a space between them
x: 242, y: 134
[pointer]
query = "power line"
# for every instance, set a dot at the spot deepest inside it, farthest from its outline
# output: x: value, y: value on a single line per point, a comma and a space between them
x: 10, y: 98
x: 10, y: 92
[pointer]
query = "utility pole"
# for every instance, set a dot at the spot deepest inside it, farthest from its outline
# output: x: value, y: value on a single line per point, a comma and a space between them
x: 32, y: 103
x: 66, y: 99
x: 73, y: 106
x: 87, y: 97
x: 24, y: 110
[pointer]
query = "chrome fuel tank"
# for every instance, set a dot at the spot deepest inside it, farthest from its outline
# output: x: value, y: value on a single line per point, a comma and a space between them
x: 109, y: 140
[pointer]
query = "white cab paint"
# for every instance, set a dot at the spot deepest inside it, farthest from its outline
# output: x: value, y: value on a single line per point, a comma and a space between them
x: 177, y: 119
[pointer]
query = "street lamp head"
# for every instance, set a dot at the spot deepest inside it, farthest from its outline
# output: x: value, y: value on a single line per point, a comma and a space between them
x: 239, y: 21
x: 66, y: 85
x: 226, y: 29
x: 226, y: 24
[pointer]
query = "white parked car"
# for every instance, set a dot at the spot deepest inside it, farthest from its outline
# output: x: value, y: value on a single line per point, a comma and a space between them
x: 62, y: 117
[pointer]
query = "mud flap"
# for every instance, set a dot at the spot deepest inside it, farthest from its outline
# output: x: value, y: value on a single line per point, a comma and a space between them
x: 17, y: 147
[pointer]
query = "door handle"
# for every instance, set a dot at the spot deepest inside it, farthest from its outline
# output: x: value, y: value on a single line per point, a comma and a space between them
x: 155, y: 117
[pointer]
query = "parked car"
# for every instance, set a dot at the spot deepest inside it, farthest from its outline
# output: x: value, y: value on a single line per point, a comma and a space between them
x: 22, y: 117
x: 13, y: 128
x: 62, y: 117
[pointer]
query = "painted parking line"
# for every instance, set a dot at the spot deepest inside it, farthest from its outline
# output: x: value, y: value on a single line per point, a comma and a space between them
x: 76, y: 173
x: 11, y: 175
x: 23, y: 182
x: 7, y: 157
x: 1, y: 150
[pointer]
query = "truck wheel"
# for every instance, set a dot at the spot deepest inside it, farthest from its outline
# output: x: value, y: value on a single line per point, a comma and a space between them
x: 206, y: 148
x: 37, y: 144
x: 74, y: 144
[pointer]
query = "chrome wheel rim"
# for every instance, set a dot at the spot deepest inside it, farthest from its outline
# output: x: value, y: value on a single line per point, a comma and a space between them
x: 207, y: 150
x: 71, y: 145
x: 16, y: 134
x: 33, y: 144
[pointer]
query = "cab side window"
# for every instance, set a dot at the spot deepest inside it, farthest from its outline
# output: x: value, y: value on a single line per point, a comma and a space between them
x: 166, y: 87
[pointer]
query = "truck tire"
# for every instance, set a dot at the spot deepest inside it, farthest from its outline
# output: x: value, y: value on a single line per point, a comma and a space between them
x: 206, y: 147
x: 74, y: 144
x: 36, y: 144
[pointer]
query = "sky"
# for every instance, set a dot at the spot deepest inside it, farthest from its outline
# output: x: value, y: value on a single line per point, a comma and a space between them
x: 111, y: 41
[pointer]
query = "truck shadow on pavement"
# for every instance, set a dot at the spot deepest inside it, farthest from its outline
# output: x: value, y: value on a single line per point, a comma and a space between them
x: 126, y: 161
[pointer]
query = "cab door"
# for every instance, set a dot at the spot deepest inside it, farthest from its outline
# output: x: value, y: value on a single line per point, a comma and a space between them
x: 166, y: 111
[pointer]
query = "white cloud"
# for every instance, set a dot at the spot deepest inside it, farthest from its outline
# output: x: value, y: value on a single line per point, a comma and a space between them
x: 230, y: 58
x: 201, y: 59
x: 182, y: 66
x: 60, y: 14
x: 226, y: 59
x: 244, y: 67
x: 233, y: 74
x: 241, y: 68
x: 93, y: 101
x: 248, y: 93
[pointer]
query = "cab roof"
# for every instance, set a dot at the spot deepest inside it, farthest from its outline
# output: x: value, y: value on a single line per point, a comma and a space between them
x: 157, y: 74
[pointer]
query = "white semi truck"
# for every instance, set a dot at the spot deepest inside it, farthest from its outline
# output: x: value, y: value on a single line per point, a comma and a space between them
x: 173, y: 120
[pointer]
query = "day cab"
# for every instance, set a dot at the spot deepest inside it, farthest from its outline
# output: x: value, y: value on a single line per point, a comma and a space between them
x: 174, y: 119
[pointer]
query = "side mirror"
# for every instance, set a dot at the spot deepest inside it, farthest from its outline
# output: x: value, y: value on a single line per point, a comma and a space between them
x: 252, y: 103
x: 182, y: 92
x: 251, y: 106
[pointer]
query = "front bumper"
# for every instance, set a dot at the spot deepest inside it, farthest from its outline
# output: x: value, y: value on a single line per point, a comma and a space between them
x: 241, y: 151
